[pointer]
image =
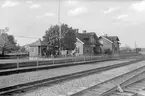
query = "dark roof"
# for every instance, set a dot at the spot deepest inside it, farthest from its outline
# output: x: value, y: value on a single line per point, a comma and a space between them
x: 39, y: 43
x: 112, y: 38
x: 84, y: 36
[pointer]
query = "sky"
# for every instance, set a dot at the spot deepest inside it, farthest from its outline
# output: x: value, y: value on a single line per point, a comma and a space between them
x: 31, y: 18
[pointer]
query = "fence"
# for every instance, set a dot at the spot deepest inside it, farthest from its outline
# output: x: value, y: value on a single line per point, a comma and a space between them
x: 35, y: 61
x: 26, y: 62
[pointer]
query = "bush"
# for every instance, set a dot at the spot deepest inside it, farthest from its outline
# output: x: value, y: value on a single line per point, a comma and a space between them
x: 108, y: 52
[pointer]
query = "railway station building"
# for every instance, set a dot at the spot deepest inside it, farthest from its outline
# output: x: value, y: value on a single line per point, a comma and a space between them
x: 87, y: 44
x: 110, y: 43
x: 37, y: 49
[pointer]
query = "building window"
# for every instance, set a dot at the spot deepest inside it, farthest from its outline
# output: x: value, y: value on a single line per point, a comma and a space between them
x: 32, y: 49
x: 77, y: 50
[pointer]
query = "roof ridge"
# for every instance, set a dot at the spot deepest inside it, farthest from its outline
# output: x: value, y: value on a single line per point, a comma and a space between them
x: 38, y: 43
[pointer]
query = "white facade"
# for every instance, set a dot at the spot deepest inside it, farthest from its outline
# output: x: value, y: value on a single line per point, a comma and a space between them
x: 79, y: 47
x: 66, y: 52
x: 63, y: 52
x: 107, y: 44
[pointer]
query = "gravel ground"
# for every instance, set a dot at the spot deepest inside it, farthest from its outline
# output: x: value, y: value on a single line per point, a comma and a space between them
x: 15, y: 79
x: 69, y: 87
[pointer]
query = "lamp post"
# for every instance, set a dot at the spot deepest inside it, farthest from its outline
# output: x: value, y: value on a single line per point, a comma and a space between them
x: 59, y: 27
x: 135, y: 47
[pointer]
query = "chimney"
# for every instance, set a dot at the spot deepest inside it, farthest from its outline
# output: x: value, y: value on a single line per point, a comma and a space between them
x: 84, y: 31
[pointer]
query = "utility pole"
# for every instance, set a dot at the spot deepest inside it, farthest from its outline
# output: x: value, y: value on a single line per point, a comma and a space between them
x: 59, y: 27
x: 135, y: 47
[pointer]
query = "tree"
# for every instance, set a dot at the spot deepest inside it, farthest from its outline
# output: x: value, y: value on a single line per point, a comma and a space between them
x: 138, y: 50
x: 23, y: 49
x: 68, y: 37
x: 7, y: 43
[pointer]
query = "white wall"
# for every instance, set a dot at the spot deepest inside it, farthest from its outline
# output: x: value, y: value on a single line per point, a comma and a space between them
x: 79, y: 45
x: 33, y: 51
x: 106, y: 44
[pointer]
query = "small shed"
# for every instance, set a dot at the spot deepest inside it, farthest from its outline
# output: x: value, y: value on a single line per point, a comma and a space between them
x: 38, y: 49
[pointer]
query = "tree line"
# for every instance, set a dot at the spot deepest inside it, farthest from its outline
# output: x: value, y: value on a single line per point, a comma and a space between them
x: 8, y: 43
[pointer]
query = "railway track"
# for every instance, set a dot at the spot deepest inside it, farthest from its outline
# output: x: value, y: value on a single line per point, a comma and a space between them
x: 108, y: 87
x: 133, y: 89
x: 136, y: 88
x: 136, y: 78
x: 24, y: 87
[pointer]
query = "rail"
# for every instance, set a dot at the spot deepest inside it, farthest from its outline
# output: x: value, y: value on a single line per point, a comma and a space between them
x: 123, y: 82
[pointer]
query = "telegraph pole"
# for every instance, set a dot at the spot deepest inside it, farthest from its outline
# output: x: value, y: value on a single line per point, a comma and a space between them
x: 135, y: 47
x: 59, y: 27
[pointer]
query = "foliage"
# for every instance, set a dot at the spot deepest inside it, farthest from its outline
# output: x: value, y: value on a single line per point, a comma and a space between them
x: 138, y: 49
x: 20, y: 49
x: 68, y: 41
x: 23, y: 50
x: 7, y: 43
x: 126, y: 48
x: 108, y: 51
x: 68, y: 37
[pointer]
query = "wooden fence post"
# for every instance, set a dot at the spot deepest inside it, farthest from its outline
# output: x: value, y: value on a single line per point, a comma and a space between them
x: 91, y: 57
x: 53, y: 60
x: 84, y: 58
x: 17, y: 62
x: 37, y: 62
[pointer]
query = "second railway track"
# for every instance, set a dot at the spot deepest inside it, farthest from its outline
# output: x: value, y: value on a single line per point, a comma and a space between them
x: 110, y: 87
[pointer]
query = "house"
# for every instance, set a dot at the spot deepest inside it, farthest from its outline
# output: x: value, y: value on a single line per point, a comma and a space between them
x: 38, y: 49
x: 87, y: 44
x: 110, y: 42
